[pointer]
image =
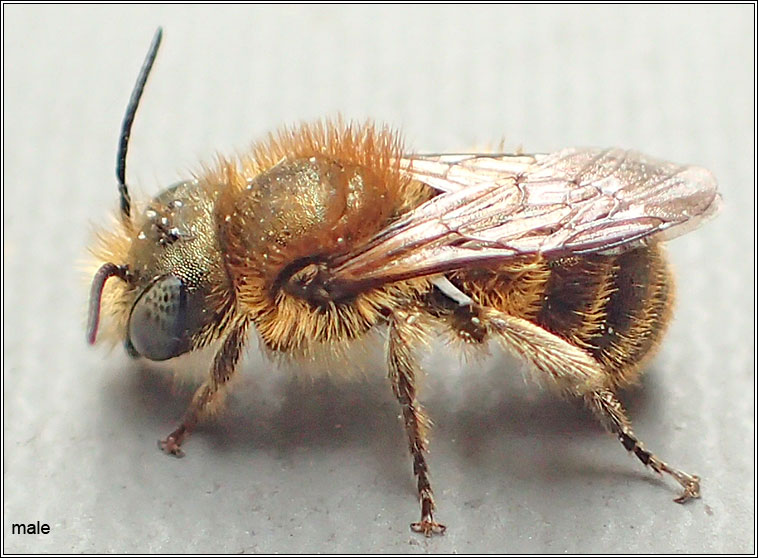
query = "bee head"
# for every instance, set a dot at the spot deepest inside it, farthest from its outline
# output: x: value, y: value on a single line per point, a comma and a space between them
x: 175, y: 296
x: 175, y: 276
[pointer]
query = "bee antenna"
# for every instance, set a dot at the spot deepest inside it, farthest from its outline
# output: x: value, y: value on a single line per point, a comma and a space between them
x: 96, y: 293
x: 126, y: 126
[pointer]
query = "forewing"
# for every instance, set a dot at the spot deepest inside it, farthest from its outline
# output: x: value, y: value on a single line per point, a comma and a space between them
x: 496, y: 207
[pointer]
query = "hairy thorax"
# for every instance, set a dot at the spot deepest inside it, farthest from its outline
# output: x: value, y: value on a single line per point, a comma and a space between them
x: 282, y: 227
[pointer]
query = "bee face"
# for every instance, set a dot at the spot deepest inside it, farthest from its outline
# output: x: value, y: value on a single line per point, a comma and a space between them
x: 173, y: 269
x: 175, y: 262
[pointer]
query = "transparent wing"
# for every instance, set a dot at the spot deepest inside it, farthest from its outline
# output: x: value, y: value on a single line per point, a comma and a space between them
x: 495, y: 207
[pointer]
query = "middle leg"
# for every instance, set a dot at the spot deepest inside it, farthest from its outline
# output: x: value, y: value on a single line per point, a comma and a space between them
x: 405, y: 332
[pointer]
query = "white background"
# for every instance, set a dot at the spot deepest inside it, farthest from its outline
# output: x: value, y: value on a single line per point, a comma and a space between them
x: 321, y: 465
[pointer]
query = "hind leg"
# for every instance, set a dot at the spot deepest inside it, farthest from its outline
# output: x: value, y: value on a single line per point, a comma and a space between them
x: 573, y: 372
x: 609, y: 410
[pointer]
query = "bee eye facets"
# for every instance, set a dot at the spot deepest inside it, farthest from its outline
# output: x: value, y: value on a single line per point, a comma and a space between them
x: 158, y: 322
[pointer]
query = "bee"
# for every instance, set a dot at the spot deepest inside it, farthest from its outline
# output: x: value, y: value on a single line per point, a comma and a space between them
x: 325, y: 232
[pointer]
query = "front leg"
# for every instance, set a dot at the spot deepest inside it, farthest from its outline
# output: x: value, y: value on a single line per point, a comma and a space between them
x: 404, y: 333
x: 224, y: 366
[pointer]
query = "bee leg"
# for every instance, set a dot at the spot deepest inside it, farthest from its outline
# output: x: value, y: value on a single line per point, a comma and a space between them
x: 608, y: 408
x: 404, y: 333
x: 224, y: 365
x: 574, y: 372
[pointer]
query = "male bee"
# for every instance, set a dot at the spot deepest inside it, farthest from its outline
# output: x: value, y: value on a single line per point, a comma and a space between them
x: 327, y: 231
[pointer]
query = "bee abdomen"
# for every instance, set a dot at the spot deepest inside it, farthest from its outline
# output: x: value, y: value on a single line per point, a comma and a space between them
x: 614, y: 307
x: 637, y: 313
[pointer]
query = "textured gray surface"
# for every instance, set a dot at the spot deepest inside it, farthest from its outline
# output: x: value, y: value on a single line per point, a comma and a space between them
x: 321, y: 465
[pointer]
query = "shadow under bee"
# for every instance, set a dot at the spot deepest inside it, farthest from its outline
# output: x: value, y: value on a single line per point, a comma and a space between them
x: 473, y: 408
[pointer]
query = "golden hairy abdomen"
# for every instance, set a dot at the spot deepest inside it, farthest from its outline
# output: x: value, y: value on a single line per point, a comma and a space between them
x: 614, y: 307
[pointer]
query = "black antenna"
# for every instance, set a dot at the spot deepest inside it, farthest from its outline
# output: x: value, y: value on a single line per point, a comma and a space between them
x: 96, y: 294
x: 126, y: 126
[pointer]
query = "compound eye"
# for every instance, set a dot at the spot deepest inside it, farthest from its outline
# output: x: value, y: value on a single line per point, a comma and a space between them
x: 157, y: 325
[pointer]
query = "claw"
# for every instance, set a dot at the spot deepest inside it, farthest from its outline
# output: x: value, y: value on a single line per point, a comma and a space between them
x: 428, y: 527
x: 691, y: 490
x: 171, y: 447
